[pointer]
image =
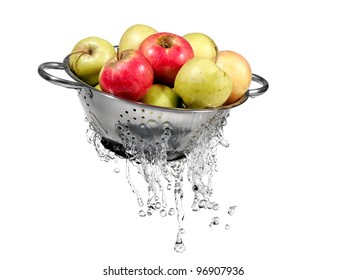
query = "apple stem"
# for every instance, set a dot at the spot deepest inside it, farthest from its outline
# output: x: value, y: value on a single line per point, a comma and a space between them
x: 118, y: 54
x: 166, y: 42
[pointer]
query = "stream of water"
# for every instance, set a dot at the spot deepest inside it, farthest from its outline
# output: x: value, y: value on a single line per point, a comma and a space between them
x: 165, y: 177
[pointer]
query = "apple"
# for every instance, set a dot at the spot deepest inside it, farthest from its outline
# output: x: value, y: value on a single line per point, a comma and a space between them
x: 202, y: 45
x: 128, y: 75
x: 167, y: 52
x: 134, y: 35
x: 238, y: 69
x: 88, y: 57
x: 162, y: 95
x: 202, y: 84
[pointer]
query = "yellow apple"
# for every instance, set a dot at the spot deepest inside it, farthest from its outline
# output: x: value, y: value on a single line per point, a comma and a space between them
x: 238, y: 69
x: 88, y: 57
x: 202, y: 45
x: 162, y: 95
x: 202, y: 84
x: 134, y: 35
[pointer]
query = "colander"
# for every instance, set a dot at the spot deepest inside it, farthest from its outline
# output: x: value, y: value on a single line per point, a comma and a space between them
x: 110, y: 115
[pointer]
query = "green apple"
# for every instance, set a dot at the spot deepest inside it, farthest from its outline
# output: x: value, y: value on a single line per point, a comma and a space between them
x: 202, y: 45
x: 162, y: 95
x: 202, y: 84
x: 88, y: 57
x: 134, y: 35
x: 239, y: 71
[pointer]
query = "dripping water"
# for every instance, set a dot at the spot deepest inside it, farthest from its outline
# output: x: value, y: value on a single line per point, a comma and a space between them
x: 163, y: 176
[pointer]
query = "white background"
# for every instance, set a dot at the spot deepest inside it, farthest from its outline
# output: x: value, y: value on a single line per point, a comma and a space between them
x: 64, y: 214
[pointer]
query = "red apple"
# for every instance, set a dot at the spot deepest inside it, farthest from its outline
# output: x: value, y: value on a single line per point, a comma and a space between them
x: 128, y: 75
x: 167, y: 53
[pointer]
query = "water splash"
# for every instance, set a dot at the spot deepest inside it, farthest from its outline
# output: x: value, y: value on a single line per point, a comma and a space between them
x: 202, y: 160
x: 151, y: 161
x: 95, y: 138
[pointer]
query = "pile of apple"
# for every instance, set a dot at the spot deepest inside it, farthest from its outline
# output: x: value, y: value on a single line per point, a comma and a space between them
x: 162, y: 68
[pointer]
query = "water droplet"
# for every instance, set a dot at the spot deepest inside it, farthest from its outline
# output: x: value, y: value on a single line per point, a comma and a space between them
x: 215, y: 206
x: 180, y: 247
x: 150, y: 211
x: 142, y: 213
x: 163, y: 213
x: 214, y: 222
x: 116, y: 170
x: 157, y: 205
x: 171, y: 211
x: 231, y: 210
x: 168, y: 186
x: 164, y: 204
x: 227, y: 227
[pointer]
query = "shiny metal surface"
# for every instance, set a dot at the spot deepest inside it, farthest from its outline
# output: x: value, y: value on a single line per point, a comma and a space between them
x: 147, y: 123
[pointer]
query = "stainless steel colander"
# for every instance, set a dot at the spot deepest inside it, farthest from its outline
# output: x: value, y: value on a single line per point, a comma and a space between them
x: 108, y: 113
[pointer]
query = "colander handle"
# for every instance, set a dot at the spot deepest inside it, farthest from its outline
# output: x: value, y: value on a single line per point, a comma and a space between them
x: 258, y: 91
x: 56, y: 80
